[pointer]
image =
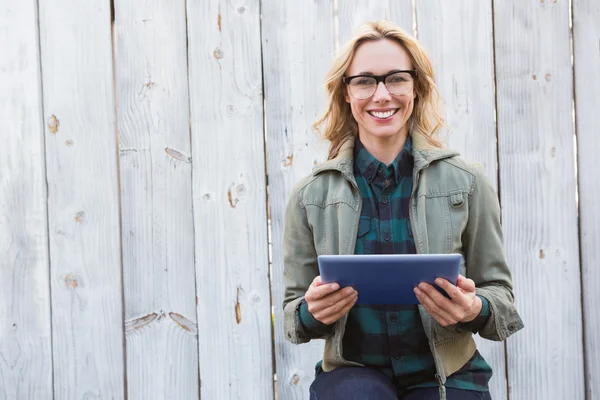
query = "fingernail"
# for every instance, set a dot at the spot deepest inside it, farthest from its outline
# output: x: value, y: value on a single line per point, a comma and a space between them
x: 335, y: 286
x: 348, y: 290
x: 438, y: 282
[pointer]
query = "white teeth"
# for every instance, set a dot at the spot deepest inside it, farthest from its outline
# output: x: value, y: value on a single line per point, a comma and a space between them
x: 386, y: 114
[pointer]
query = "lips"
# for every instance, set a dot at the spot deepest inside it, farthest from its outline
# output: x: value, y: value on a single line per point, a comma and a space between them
x: 383, y: 114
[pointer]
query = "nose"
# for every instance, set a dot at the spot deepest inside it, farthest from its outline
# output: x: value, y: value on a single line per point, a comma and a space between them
x: 381, y: 93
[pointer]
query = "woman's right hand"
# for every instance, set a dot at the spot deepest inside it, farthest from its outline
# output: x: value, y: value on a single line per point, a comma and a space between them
x: 328, y: 303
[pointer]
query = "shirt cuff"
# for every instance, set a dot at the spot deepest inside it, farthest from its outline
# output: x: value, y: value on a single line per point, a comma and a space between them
x: 313, y: 327
x: 480, y: 321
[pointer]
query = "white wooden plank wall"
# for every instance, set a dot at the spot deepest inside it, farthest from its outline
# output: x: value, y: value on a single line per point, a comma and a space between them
x: 25, y: 338
x: 190, y: 162
x: 83, y: 198
x: 229, y: 182
x: 354, y: 13
x: 156, y: 197
x: 298, y: 46
x: 537, y: 180
x: 586, y: 37
x: 458, y: 38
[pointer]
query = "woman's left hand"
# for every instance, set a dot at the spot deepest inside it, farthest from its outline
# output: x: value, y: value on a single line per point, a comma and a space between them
x: 463, y: 305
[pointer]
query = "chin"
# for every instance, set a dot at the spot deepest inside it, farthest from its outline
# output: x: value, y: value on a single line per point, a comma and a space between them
x: 386, y: 133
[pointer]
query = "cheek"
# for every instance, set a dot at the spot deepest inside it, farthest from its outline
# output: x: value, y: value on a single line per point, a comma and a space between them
x: 408, y: 105
x: 357, y: 108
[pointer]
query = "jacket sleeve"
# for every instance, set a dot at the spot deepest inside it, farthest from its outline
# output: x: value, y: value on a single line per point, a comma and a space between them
x: 486, y: 260
x: 299, y: 268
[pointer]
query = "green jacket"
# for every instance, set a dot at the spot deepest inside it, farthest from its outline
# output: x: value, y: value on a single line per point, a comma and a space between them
x: 453, y: 209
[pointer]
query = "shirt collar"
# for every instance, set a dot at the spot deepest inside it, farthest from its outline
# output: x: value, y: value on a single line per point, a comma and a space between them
x: 368, y: 165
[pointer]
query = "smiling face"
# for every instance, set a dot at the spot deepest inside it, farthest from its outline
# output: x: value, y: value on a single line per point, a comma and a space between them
x: 382, y: 117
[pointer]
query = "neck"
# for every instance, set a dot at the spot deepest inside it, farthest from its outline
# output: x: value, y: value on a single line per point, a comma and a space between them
x: 384, y: 149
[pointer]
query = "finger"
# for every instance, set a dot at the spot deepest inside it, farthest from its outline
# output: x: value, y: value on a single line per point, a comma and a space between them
x: 317, y: 281
x: 456, y: 294
x: 426, y: 304
x: 318, y: 292
x: 466, y: 284
x: 444, y: 310
x: 323, y: 303
x: 332, y: 313
x: 346, y: 309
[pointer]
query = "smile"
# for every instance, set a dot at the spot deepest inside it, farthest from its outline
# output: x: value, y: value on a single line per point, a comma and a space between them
x: 384, y: 114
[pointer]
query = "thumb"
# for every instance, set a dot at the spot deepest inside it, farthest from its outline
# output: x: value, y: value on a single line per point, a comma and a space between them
x: 317, y: 281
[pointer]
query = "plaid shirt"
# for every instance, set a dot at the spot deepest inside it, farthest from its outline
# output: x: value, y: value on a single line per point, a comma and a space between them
x: 391, y: 337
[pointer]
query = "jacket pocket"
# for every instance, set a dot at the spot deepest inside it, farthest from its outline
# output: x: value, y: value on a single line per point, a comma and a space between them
x: 457, y: 200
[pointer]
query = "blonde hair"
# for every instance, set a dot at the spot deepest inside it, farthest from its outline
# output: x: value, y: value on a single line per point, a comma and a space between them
x: 426, y: 118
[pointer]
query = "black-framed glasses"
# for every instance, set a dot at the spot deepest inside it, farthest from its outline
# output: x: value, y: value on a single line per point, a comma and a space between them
x: 399, y: 82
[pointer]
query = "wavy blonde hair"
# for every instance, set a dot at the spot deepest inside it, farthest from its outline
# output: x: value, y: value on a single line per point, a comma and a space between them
x: 426, y: 118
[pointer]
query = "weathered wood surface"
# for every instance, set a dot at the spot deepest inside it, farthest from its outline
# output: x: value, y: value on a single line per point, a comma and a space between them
x: 298, y: 46
x: 458, y: 38
x: 354, y: 13
x: 586, y: 39
x: 193, y: 199
x: 230, y: 219
x: 156, y: 197
x: 83, y: 198
x: 25, y: 338
x: 537, y: 181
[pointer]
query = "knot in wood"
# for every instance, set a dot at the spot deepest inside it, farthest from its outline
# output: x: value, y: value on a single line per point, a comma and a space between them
x: 218, y: 53
x: 71, y: 281
x: 53, y: 124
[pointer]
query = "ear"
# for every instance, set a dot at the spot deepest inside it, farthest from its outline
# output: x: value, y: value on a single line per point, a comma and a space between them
x: 347, y: 97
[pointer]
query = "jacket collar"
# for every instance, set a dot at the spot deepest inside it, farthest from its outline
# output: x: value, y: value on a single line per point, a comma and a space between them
x: 423, y: 154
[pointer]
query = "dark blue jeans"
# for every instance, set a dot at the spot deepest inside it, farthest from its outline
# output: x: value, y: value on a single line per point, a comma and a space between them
x: 370, y: 384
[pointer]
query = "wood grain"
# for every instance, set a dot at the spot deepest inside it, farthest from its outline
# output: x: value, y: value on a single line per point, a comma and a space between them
x: 229, y: 186
x: 353, y: 13
x: 83, y: 199
x: 25, y: 331
x: 538, y: 188
x: 156, y: 197
x: 458, y: 38
x: 295, y: 62
x: 586, y: 43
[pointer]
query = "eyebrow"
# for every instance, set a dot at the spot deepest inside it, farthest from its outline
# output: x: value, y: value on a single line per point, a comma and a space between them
x: 389, y: 72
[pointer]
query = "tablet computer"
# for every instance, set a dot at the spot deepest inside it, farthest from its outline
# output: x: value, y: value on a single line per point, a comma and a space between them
x: 388, y: 278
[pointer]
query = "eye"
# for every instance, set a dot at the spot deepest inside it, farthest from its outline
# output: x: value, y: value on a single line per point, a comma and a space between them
x: 399, y: 78
x: 363, y: 81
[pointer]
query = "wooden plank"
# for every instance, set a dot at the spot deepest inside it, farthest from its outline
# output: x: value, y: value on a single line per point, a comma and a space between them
x: 25, y: 326
x: 229, y: 184
x: 458, y: 38
x: 586, y: 44
x: 156, y: 196
x: 83, y: 198
x: 537, y: 181
x: 354, y: 13
x: 295, y: 62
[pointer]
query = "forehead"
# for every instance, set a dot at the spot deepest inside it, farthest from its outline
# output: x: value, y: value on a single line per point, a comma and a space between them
x: 379, y: 57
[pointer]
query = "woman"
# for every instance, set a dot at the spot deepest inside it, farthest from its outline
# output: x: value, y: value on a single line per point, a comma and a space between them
x: 389, y: 187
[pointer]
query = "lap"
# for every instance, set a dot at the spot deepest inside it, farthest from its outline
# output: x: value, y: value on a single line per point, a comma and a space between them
x: 353, y: 383
x: 433, y: 393
x: 360, y: 383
